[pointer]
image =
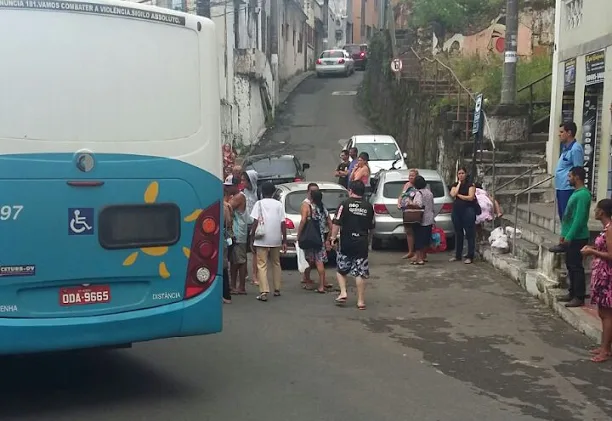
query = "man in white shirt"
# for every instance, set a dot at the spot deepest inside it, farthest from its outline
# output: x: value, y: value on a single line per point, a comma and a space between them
x: 269, y: 215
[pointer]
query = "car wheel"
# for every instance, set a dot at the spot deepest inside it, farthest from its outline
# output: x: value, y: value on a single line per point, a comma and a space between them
x: 377, y: 243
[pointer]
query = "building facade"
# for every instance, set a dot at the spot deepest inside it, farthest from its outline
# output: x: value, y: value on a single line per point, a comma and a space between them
x: 582, y: 86
x: 364, y: 20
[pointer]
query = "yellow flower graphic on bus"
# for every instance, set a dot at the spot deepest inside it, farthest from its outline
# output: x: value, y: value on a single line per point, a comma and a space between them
x: 150, y: 196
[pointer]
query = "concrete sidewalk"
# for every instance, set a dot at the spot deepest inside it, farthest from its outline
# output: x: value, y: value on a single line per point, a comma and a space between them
x: 584, y: 319
x: 293, y: 83
x: 284, y: 94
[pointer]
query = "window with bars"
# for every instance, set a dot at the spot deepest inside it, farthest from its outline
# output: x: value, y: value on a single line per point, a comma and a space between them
x: 573, y: 13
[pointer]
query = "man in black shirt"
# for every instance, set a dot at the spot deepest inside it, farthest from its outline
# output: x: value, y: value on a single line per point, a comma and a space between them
x: 356, y: 218
x: 342, y: 170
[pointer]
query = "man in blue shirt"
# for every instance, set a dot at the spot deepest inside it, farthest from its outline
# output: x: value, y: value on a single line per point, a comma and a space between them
x: 353, y: 154
x: 572, y: 155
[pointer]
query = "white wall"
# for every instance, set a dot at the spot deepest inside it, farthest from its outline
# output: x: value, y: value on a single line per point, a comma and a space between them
x: 291, y: 60
x: 580, y: 32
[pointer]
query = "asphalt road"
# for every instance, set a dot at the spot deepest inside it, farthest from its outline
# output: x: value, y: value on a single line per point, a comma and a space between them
x: 444, y: 342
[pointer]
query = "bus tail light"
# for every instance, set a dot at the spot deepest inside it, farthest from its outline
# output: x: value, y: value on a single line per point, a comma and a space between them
x: 204, y: 252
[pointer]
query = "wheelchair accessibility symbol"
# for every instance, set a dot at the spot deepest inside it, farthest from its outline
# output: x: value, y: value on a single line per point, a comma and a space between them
x: 80, y: 221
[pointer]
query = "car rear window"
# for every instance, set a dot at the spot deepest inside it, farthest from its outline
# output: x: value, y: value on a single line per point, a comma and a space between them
x: 132, y: 226
x: 332, y: 54
x: 394, y: 188
x: 272, y: 166
x: 331, y: 200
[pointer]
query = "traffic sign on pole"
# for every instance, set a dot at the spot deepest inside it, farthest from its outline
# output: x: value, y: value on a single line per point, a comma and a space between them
x: 396, y: 65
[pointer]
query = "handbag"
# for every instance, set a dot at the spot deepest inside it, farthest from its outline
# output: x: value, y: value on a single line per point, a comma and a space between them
x: 260, y: 230
x: 412, y: 214
x: 310, y: 237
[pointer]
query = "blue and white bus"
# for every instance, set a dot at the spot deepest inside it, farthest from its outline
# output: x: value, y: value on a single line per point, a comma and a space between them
x: 110, y: 175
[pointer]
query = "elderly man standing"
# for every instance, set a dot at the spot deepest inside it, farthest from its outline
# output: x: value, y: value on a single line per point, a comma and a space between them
x: 572, y: 155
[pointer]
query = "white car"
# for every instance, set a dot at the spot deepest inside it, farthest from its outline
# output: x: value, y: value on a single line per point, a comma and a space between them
x: 382, y: 149
x: 335, y: 62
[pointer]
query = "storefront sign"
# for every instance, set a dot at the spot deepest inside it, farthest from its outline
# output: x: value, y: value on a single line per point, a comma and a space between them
x: 570, y: 75
x: 589, y: 138
x: 595, y: 67
x: 567, y: 107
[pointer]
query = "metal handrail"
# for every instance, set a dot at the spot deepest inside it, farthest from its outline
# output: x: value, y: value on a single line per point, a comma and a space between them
x: 473, y: 98
x: 544, y: 77
x: 521, y: 175
x: 516, y: 198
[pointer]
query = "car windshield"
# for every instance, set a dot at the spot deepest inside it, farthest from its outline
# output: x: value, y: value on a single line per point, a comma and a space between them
x: 267, y: 167
x: 379, y: 151
x: 355, y: 48
x: 331, y: 200
x: 393, y: 189
x: 332, y: 54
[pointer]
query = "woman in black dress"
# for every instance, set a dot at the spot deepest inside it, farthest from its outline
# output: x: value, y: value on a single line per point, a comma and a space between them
x: 464, y: 215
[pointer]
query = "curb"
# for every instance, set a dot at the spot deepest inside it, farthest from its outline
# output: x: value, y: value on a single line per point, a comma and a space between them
x: 547, y: 291
x: 284, y: 93
x: 292, y: 84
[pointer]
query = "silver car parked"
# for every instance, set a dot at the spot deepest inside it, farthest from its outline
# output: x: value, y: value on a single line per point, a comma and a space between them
x: 389, y: 219
x: 335, y: 62
x: 291, y: 195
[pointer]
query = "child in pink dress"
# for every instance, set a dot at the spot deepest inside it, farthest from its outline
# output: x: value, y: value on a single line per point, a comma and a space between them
x: 601, y: 279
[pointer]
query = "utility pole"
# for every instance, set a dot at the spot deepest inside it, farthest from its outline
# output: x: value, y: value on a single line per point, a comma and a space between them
x: 508, y: 91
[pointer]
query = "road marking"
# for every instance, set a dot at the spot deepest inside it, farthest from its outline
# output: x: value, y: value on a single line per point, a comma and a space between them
x: 344, y: 93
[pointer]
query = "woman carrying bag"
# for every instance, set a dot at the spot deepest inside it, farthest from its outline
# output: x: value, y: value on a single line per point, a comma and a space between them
x: 313, y: 234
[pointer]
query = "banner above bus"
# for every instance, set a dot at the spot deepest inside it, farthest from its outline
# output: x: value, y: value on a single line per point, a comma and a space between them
x: 95, y: 9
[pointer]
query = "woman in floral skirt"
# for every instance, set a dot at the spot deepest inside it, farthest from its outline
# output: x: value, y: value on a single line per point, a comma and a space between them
x: 601, y: 279
x: 315, y: 210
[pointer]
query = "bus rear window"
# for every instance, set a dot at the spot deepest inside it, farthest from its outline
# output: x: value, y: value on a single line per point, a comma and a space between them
x: 133, y: 226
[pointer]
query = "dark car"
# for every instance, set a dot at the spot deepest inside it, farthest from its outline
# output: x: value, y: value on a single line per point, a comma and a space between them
x: 276, y: 168
x: 359, y: 53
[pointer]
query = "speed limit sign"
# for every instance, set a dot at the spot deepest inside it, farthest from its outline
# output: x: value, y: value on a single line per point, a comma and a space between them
x: 396, y: 65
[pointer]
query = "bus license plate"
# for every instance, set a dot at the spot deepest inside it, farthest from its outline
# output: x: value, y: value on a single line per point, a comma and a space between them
x: 98, y: 294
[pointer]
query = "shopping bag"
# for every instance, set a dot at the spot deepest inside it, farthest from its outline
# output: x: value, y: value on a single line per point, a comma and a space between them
x: 438, y: 240
x: 301, y: 258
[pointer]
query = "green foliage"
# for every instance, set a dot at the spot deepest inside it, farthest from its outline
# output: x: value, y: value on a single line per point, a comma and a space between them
x: 453, y: 15
x: 485, y: 75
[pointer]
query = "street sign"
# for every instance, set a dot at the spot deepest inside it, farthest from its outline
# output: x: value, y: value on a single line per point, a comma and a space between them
x: 477, y: 114
x: 396, y: 65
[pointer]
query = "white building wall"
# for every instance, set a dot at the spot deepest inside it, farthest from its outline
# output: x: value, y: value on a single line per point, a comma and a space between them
x: 292, y: 55
x: 583, y: 27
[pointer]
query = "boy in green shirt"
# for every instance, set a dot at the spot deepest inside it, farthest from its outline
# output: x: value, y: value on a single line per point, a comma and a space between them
x: 574, y: 236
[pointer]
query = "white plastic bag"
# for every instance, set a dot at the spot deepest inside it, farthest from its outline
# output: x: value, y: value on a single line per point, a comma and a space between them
x: 510, y: 232
x: 301, y: 258
x: 500, y: 244
x: 495, y: 234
